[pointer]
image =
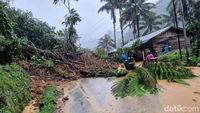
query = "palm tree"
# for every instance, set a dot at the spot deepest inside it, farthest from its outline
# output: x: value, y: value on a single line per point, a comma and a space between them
x: 181, y: 7
x: 150, y: 24
x: 71, y: 19
x: 106, y: 43
x: 119, y: 5
x: 135, y: 10
x: 184, y: 13
x: 168, y: 20
x: 180, y: 4
x: 109, y: 7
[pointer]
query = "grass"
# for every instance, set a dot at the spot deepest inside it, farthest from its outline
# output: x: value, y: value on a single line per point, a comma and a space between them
x: 49, y: 100
x: 14, y: 89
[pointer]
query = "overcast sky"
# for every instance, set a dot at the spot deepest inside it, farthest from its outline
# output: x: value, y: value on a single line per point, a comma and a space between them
x: 91, y: 28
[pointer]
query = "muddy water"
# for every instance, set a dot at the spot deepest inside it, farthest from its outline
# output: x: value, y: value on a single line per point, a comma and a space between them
x: 94, y: 96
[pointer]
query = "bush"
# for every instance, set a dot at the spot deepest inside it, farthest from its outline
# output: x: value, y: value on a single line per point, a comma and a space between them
x: 119, y: 52
x: 116, y: 73
x: 41, y: 62
x: 101, y: 53
x: 174, y: 57
x: 14, y: 89
x: 49, y: 100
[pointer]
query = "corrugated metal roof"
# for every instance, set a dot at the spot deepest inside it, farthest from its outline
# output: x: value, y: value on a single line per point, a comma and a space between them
x: 148, y: 37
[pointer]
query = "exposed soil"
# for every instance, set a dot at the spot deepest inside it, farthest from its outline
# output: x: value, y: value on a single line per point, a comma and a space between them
x: 67, y: 70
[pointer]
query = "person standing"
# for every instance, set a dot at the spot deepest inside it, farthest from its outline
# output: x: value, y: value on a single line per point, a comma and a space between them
x: 149, y: 58
x: 124, y: 57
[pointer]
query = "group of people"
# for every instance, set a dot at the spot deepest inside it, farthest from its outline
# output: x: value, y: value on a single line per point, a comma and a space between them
x: 129, y: 61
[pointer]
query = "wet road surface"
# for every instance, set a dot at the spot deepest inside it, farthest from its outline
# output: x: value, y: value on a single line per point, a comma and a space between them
x: 94, y: 96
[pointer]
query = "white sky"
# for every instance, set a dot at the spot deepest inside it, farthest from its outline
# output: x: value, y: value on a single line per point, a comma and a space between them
x: 91, y: 28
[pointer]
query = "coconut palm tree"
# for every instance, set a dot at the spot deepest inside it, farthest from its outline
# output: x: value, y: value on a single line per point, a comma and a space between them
x: 120, y: 5
x: 106, y: 43
x: 168, y: 20
x: 179, y: 5
x: 135, y: 10
x: 150, y: 24
x: 109, y: 7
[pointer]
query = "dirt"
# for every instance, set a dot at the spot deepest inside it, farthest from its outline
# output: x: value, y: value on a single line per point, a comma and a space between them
x: 38, y: 87
x: 70, y: 68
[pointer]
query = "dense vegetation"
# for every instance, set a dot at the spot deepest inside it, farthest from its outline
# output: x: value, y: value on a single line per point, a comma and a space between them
x: 21, y: 35
x: 14, y: 90
x: 174, y: 58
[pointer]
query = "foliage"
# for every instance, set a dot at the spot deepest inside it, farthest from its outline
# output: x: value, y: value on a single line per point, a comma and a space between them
x: 116, y: 73
x: 144, y: 80
x: 135, y: 84
x: 71, y: 19
x: 19, y: 30
x: 174, y: 58
x: 106, y: 43
x: 194, y: 24
x: 111, y: 72
x: 120, y: 51
x: 110, y: 7
x: 134, y: 49
x: 136, y: 45
x: 167, y: 71
x: 151, y: 24
x: 134, y: 10
x: 5, y: 22
x: 40, y: 62
x: 14, y: 89
x: 49, y: 100
x: 101, y: 53
x: 25, y: 25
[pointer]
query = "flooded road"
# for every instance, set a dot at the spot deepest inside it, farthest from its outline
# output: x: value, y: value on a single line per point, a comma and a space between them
x: 94, y: 96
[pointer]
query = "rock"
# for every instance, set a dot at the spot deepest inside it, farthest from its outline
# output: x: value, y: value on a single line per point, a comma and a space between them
x: 64, y: 99
x: 198, y: 64
x: 39, y: 90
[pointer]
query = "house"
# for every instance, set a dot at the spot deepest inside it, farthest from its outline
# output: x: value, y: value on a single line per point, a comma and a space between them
x: 157, y: 39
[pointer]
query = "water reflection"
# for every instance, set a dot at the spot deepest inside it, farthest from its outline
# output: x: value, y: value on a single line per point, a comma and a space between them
x: 90, y: 95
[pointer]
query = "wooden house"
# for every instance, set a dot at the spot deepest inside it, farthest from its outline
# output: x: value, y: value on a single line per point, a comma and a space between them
x: 157, y: 39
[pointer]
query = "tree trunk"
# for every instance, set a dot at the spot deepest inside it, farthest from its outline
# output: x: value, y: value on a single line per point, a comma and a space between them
x: 198, y: 47
x: 176, y: 22
x: 185, y: 34
x: 121, y: 26
x: 134, y: 29
x: 115, y: 38
x: 138, y: 26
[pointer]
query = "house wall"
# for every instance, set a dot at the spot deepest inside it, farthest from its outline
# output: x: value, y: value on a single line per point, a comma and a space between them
x: 170, y: 37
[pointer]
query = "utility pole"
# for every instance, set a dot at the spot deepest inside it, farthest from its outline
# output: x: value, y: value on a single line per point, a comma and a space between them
x: 184, y: 32
x: 176, y: 24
